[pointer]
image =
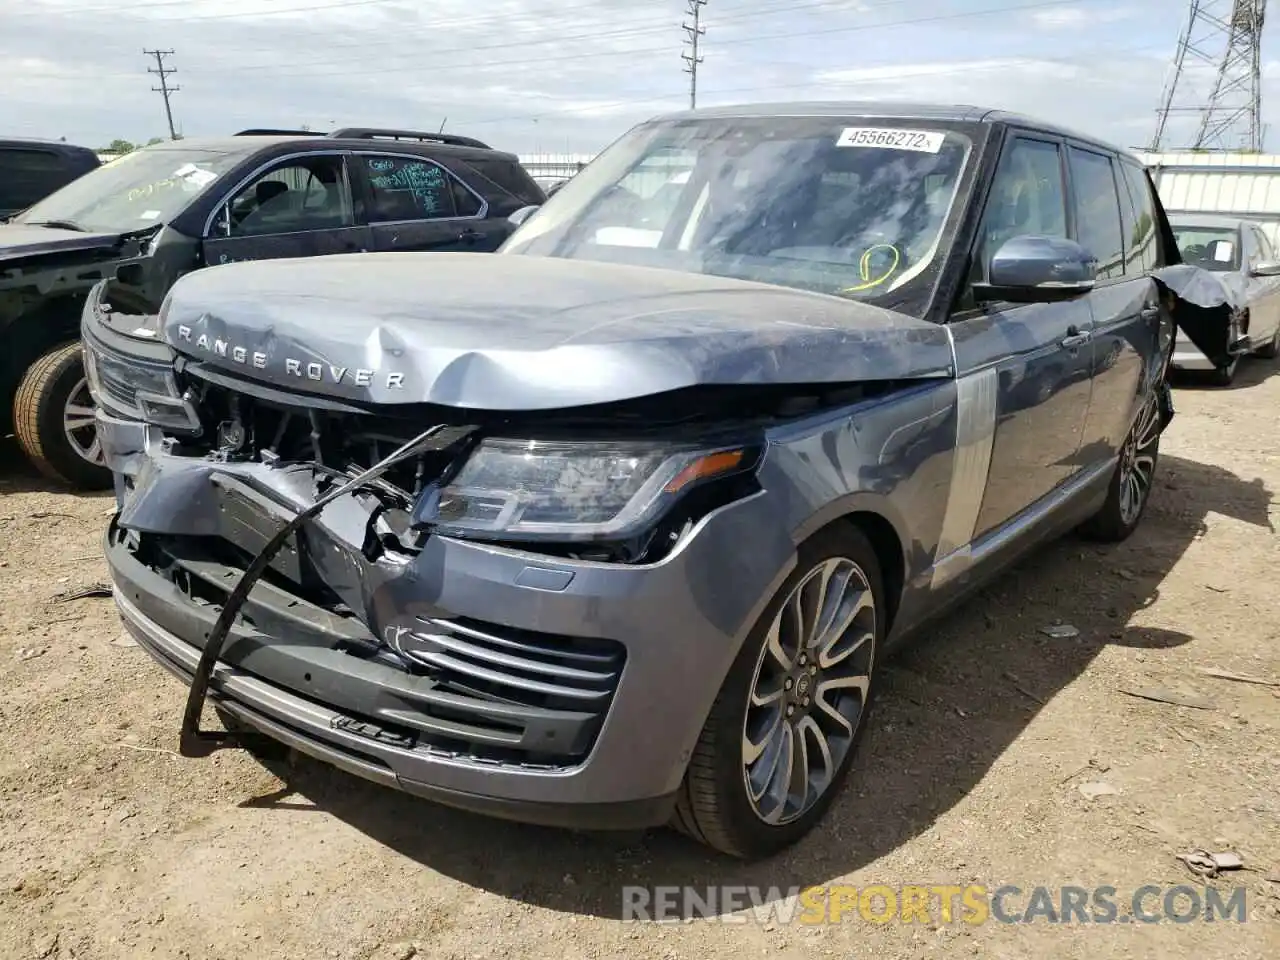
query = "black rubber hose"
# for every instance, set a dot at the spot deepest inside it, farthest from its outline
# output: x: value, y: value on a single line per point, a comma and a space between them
x: 194, y: 742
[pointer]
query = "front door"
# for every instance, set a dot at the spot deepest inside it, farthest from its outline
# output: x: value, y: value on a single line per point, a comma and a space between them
x: 1023, y: 369
x: 1264, y: 291
x: 300, y: 207
x: 416, y: 204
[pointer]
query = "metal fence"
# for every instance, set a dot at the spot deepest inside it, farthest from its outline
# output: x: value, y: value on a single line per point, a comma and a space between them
x: 555, y: 164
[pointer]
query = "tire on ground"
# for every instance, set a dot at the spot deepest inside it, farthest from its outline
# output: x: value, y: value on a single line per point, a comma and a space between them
x: 1108, y: 524
x: 712, y: 805
x: 38, y: 419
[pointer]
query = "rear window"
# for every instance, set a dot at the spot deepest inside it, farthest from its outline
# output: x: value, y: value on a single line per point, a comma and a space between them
x: 510, y: 177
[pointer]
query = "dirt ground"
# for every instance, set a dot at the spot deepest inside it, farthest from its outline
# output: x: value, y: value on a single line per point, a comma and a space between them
x: 112, y: 846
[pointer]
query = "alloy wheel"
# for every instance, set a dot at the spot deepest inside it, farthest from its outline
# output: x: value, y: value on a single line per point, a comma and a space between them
x: 80, y: 426
x: 809, y: 691
x: 1138, y: 462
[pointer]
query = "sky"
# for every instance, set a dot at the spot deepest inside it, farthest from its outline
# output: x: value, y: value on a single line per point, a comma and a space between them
x: 572, y: 75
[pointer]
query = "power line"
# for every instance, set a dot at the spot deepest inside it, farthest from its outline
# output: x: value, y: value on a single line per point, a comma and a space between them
x: 751, y: 39
x: 695, y: 31
x: 117, y: 11
x: 631, y: 53
x: 515, y: 23
x: 164, y: 89
x: 964, y: 69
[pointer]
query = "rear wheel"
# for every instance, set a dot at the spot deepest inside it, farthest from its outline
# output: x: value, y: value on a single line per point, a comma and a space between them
x: 1132, y: 480
x: 783, y: 730
x: 53, y: 418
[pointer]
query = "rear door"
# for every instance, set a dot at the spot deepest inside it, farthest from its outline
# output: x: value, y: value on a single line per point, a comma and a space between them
x: 299, y: 206
x: 1127, y: 338
x: 1026, y: 365
x: 415, y: 203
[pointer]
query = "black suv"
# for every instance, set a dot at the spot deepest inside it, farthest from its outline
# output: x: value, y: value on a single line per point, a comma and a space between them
x: 153, y: 215
x: 30, y: 170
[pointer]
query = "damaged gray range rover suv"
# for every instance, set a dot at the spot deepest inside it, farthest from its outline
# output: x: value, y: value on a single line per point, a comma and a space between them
x: 615, y: 527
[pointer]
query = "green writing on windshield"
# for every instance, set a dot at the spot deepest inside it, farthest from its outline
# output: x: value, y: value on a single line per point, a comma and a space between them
x: 423, y: 181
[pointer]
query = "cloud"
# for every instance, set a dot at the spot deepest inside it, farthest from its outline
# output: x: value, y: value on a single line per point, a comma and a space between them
x: 569, y: 76
x: 1077, y: 18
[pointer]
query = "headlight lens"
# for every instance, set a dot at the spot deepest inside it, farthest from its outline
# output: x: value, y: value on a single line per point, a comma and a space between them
x: 532, y: 489
x: 137, y: 391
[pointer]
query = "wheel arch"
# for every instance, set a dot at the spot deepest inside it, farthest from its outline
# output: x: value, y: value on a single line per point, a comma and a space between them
x: 875, y: 519
x: 33, y: 333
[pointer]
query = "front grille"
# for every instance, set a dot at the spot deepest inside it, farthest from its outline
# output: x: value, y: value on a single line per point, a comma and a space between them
x: 343, y: 442
x: 497, y: 694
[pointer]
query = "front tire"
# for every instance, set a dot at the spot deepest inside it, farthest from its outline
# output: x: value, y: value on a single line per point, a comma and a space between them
x: 53, y: 419
x: 785, y: 726
x: 1131, y: 483
x: 1225, y: 376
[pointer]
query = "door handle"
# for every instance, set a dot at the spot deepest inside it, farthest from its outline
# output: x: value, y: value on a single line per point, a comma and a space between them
x: 1075, y: 338
x: 1150, y: 312
x: 470, y: 236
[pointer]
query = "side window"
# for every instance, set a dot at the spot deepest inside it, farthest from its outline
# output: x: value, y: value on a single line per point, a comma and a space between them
x: 1027, y: 198
x: 403, y: 188
x: 29, y: 175
x: 465, y: 203
x: 309, y: 193
x: 1097, y: 210
x: 1140, y: 226
x: 1250, y: 254
x: 1265, y: 252
x: 511, y: 177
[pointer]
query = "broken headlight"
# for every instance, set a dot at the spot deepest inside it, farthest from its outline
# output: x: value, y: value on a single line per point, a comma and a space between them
x: 573, y: 491
x: 134, y: 390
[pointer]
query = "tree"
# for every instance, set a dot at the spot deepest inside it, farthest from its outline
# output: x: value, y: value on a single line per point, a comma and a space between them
x: 120, y: 146
x: 154, y: 140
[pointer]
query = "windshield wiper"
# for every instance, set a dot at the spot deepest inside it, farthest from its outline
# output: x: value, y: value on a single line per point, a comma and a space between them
x: 58, y: 225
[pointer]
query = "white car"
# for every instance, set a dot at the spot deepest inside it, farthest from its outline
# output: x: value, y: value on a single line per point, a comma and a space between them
x: 1242, y: 256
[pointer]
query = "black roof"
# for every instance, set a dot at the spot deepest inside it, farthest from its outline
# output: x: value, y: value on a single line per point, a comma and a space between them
x: 48, y: 144
x: 906, y: 110
x: 251, y: 141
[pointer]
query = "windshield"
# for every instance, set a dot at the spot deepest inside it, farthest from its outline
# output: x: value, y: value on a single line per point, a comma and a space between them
x: 139, y: 190
x: 855, y: 208
x: 1210, y: 248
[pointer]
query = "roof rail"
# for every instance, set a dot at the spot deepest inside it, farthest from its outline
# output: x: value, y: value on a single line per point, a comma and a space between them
x: 371, y: 133
x: 267, y: 132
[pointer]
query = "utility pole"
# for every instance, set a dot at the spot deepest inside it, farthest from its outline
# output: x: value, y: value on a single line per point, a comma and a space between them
x: 163, y: 72
x: 695, y: 30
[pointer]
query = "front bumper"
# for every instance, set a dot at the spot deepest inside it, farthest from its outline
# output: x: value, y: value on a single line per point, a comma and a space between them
x: 677, y: 626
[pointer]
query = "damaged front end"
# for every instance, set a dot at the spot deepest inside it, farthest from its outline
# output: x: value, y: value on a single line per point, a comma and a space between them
x: 342, y: 576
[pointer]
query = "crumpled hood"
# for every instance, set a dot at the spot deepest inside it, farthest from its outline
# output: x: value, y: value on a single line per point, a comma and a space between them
x: 18, y: 240
x: 1207, y: 300
x: 510, y: 332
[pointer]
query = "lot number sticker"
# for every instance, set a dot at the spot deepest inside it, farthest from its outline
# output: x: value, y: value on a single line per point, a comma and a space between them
x: 922, y: 141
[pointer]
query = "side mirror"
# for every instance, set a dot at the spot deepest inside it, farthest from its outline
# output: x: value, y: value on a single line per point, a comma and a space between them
x: 1038, y: 270
x: 1266, y: 268
x: 521, y: 215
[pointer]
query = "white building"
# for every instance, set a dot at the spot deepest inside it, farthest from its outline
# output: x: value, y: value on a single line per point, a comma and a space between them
x: 1234, y: 184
